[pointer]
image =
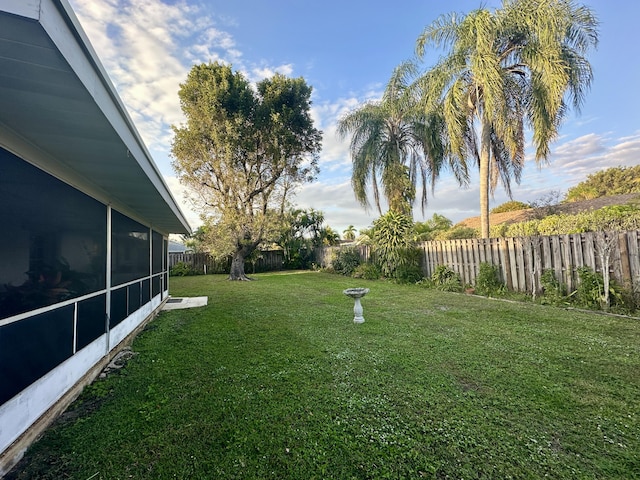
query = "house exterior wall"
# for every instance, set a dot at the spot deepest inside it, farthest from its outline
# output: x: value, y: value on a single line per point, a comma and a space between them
x: 77, y: 279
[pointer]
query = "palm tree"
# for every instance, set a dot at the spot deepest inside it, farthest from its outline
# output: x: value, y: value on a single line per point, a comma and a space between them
x: 515, y: 66
x: 397, y: 143
x: 350, y: 233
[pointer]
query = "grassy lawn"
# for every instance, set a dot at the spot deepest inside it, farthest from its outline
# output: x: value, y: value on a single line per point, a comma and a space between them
x: 273, y: 380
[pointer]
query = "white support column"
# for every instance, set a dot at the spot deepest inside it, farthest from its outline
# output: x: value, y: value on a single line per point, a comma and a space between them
x: 108, y: 279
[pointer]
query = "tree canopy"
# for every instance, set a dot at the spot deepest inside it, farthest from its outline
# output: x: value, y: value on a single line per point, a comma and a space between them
x: 612, y: 181
x: 242, y: 152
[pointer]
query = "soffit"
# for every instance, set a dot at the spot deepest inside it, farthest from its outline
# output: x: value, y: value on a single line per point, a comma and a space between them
x: 74, y: 117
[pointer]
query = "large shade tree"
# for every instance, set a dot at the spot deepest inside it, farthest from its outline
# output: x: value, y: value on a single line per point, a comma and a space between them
x: 517, y: 67
x: 395, y: 146
x: 242, y: 152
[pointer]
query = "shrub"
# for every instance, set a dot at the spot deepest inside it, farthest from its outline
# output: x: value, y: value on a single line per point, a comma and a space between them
x: 408, y: 273
x: 488, y: 280
x: 554, y: 291
x: 393, y: 244
x: 510, y: 206
x: 590, y: 291
x: 182, y: 269
x: 346, y: 260
x: 560, y: 224
x: 368, y: 271
x: 457, y: 233
x: 499, y: 230
x: 445, y: 279
x: 522, y: 229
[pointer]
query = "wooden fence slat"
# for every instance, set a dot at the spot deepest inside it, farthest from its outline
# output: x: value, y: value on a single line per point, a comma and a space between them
x: 557, y: 257
x: 588, y: 251
x: 625, y: 263
x: 567, y: 261
x: 505, y: 262
x: 468, y: 261
x: 633, y: 240
x: 520, y: 264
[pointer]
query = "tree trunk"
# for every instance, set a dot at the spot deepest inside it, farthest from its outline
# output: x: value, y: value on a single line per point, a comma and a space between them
x: 237, y: 264
x: 485, y: 155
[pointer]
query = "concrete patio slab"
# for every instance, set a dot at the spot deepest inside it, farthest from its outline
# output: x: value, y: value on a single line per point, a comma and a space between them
x: 176, y: 303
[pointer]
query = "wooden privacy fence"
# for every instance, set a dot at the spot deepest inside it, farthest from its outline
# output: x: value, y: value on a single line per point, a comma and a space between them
x: 522, y: 260
x: 323, y: 256
x: 269, y: 260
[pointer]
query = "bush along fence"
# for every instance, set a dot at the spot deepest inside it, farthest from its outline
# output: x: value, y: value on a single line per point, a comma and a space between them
x: 523, y: 261
x: 204, y: 263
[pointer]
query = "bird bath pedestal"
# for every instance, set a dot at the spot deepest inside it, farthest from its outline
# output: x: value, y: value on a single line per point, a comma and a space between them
x: 357, y: 294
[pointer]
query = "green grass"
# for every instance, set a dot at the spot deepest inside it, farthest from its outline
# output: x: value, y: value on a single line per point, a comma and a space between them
x: 273, y: 380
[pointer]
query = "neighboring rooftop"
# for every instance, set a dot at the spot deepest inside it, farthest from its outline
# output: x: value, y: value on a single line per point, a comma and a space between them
x: 564, y: 208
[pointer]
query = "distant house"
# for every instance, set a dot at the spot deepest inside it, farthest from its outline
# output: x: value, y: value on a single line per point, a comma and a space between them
x: 177, y: 247
x: 85, y: 218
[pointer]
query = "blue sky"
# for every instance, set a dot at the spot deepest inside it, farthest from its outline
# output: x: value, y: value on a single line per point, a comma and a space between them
x: 346, y: 50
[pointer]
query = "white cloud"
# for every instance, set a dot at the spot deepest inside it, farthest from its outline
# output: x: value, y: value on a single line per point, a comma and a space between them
x: 148, y: 47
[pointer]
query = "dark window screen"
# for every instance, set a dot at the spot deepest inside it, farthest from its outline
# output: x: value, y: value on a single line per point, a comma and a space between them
x: 91, y: 320
x: 129, y: 249
x: 30, y: 348
x: 118, y: 306
x: 146, y: 291
x: 134, y: 297
x: 165, y: 253
x: 157, y: 252
x: 53, y: 242
x: 156, y: 285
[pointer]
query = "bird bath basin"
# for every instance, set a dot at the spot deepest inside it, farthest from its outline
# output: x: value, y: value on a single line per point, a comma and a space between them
x: 356, y: 294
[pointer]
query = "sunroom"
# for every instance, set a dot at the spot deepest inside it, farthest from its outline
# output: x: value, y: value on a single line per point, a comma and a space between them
x: 85, y: 217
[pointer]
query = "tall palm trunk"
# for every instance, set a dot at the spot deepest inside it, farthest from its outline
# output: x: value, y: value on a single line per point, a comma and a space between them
x: 485, y: 156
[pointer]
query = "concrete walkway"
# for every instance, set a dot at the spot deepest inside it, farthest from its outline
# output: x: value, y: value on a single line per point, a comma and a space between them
x: 176, y: 303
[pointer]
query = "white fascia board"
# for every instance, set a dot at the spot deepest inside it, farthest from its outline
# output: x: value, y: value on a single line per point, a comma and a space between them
x: 64, y: 29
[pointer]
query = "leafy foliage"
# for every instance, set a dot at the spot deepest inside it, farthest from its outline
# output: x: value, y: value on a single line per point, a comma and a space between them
x: 346, y: 260
x: 510, y: 206
x: 394, y: 142
x: 488, y: 280
x: 590, y: 291
x: 302, y: 231
x: 615, y: 217
x: 456, y: 233
x: 431, y: 228
x: 182, y: 269
x: 554, y: 291
x: 445, y: 279
x: 242, y: 152
x: 393, y: 244
x: 350, y: 233
x: 368, y: 271
x: 612, y: 181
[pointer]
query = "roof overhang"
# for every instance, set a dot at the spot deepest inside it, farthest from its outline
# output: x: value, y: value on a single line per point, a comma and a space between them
x: 60, y: 111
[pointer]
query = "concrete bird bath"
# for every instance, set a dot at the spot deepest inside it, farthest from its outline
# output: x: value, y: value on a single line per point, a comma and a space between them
x: 356, y: 294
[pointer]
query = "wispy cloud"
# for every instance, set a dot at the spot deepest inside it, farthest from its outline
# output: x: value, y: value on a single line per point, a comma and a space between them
x: 148, y: 47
